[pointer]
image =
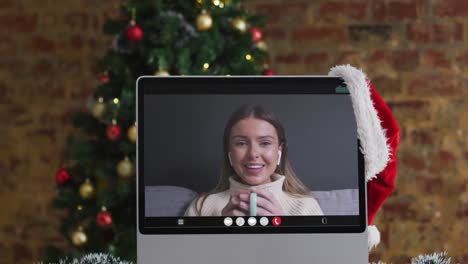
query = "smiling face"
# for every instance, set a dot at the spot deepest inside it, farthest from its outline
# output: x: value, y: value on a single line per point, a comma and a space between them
x: 253, y: 148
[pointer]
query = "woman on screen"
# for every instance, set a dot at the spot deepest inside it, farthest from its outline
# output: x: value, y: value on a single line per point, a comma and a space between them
x: 257, y: 178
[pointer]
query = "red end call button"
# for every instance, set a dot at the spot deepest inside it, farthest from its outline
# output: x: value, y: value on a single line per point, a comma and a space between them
x: 276, y: 221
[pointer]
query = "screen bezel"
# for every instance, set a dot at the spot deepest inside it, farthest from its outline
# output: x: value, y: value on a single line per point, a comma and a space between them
x: 241, y: 85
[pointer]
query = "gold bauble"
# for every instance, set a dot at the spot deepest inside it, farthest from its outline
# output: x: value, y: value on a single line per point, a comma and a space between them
x: 239, y: 24
x: 98, y: 109
x: 125, y: 168
x: 161, y: 72
x: 79, y: 237
x: 132, y: 133
x: 261, y: 45
x: 86, y: 190
x: 204, y: 21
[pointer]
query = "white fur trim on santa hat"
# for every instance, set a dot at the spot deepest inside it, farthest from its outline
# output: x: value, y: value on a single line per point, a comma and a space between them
x: 369, y: 128
x: 373, y: 237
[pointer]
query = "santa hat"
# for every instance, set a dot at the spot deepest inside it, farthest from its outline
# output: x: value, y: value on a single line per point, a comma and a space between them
x: 379, y: 135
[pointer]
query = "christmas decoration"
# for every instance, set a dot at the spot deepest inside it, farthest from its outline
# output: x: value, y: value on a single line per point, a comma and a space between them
x: 204, y: 21
x: 99, y: 108
x: 379, y: 136
x: 103, y: 77
x: 434, y: 258
x: 79, y: 238
x: 132, y: 133
x: 169, y: 37
x: 161, y: 72
x: 256, y: 34
x: 239, y: 24
x: 268, y: 72
x: 62, y: 176
x: 103, y: 218
x: 125, y: 168
x: 134, y: 33
x: 113, y: 131
x: 86, y: 190
x: 94, y: 258
x: 261, y: 45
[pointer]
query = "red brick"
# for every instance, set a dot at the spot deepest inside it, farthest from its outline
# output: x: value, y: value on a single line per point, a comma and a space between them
x: 18, y: 23
x: 451, y: 8
x: 422, y: 137
x: 289, y: 58
x: 441, y: 161
x: 77, y: 42
x: 429, y: 185
x: 405, y: 60
x: 82, y: 21
x: 400, y: 209
x: 458, y: 32
x: 415, y: 163
x: 320, y: 34
x: 435, y: 33
x: 444, y: 85
x: 7, y: 45
x: 4, y: 4
x: 21, y: 253
x: 387, y: 86
x: 42, y: 68
x: 396, y: 10
x: 437, y: 59
x: 462, y: 59
x: 379, y: 56
x: 333, y: 10
x: 42, y: 44
x: 349, y: 57
x: 273, y: 33
x: 462, y: 212
x: 316, y: 57
x: 410, y: 110
x: 278, y: 12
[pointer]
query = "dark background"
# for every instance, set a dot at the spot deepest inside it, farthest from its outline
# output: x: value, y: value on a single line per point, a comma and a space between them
x: 183, y: 138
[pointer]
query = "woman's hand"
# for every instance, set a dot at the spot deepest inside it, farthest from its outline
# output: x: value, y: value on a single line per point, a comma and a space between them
x: 267, y: 204
x: 233, y: 208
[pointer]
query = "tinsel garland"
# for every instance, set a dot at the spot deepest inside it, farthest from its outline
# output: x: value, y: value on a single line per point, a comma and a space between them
x: 100, y: 258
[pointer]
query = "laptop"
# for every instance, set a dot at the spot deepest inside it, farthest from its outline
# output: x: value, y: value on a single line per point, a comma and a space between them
x: 249, y: 169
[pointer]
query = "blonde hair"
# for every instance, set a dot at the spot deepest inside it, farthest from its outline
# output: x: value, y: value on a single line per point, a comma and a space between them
x: 292, y: 184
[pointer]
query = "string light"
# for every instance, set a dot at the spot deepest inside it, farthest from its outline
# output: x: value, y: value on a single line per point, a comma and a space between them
x: 221, y: 5
x: 216, y: 2
x: 248, y: 57
x: 116, y: 100
x: 206, y: 66
x: 100, y: 99
x: 79, y: 207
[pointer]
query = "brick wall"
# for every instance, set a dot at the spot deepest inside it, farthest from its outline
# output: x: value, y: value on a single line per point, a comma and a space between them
x: 415, y: 53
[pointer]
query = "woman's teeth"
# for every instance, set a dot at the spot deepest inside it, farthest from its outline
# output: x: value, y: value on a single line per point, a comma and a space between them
x: 254, y: 166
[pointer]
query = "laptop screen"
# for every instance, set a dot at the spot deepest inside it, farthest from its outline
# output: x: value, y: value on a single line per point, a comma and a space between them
x: 219, y: 155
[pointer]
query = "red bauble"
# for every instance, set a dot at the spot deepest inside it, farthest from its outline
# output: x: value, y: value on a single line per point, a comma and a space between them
x: 103, y: 78
x: 62, y: 176
x: 103, y: 219
x: 268, y: 72
x: 134, y: 33
x: 113, y: 132
x: 256, y: 34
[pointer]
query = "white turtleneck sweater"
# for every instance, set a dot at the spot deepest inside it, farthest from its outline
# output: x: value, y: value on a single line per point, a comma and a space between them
x: 291, y: 205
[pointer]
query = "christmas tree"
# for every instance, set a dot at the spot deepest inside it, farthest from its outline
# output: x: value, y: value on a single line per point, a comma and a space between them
x: 96, y: 182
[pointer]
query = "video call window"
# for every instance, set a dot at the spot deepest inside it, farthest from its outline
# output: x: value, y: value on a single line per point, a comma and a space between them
x: 249, y: 162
